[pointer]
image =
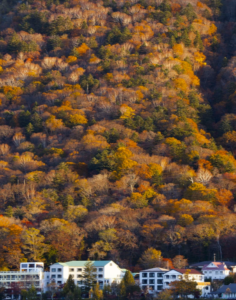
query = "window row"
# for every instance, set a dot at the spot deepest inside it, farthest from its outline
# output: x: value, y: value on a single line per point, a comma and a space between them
x: 216, y: 272
x: 173, y: 276
x: 19, y: 277
x: 151, y: 275
x: 80, y: 269
x: 152, y: 281
x: 152, y: 287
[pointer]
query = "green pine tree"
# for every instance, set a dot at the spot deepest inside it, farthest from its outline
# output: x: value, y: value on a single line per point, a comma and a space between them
x: 89, y: 276
x: 122, y: 292
x: 128, y: 278
x: 69, y: 285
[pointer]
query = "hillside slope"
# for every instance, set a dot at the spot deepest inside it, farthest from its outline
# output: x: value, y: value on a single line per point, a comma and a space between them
x: 117, y: 128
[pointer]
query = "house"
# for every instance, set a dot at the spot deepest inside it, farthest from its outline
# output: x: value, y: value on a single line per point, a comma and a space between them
x: 31, y: 273
x: 105, y: 272
x: 225, y: 292
x: 186, y: 274
x: 215, y: 270
x: 198, y: 266
x: 152, y: 279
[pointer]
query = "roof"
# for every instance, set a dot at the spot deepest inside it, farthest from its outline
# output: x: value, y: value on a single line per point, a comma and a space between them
x: 229, y: 264
x: 188, y: 271
x: 155, y: 270
x: 218, y: 266
x: 223, y: 288
x: 203, y: 283
x: 82, y: 263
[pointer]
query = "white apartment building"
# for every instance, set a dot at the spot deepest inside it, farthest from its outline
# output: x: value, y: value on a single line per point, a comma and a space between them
x: 215, y: 270
x: 31, y: 273
x: 105, y: 272
x: 152, y: 279
x: 186, y: 274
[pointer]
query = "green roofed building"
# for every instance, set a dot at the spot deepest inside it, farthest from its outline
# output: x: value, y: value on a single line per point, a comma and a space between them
x: 105, y: 272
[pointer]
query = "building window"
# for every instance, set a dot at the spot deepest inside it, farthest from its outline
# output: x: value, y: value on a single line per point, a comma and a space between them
x: 80, y: 282
x: 100, y: 276
x: 24, y: 266
x: 100, y: 269
x: 159, y: 288
x: 151, y: 275
x: 167, y: 276
x: 58, y: 276
x: 59, y: 270
x: 159, y: 281
x: 53, y: 276
x: 144, y: 281
x: 144, y: 274
x: 79, y: 276
x: 221, y: 272
x: 173, y: 276
x: 159, y: 274
x: 167, y: 283
x: 59, y: 282
x: 31, y: 265
x: 79, y: 270
x: 53, y: 270
x: 151, y: 281
x: 71, y: 270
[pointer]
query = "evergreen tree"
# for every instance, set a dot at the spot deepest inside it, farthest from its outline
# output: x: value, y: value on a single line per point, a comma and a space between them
x: 69, y: 285
x: 128, y: 278
x: 89, y: 276
x: 122, y: 289
x: 31, y: 294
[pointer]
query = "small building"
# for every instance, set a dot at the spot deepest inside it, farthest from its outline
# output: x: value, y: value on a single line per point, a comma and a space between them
x: 105, y: 272
x: 198, y: 266
x: 215, y: 271
x: 225, y: 292
x: 152, y: 279
x: 181, y: 274
x: 187, y: 274
x: 31, y: 273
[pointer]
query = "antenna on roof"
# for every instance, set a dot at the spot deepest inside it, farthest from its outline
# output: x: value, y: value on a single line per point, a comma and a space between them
x: 214, y: 256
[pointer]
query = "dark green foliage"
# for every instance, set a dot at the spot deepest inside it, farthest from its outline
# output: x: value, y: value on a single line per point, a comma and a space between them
x: 117, y: 35
x: 69, y: 286
x: 24, y: 118
x: 35, y: 22
x: 54, y: 42
x: 112, y: 136
x: 88, y: 83
x: 103, y: 160
x: 88, y: 276
x: 189, y: 12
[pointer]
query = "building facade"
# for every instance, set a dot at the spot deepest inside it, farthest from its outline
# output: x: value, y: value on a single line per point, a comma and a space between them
x: 31, y: 273
x: 105, y: 272
x: 215, y: 271
x: 152, y: 279
x: 187, y: 274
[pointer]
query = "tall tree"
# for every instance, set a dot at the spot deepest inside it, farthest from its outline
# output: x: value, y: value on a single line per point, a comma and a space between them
x: 88, y: 276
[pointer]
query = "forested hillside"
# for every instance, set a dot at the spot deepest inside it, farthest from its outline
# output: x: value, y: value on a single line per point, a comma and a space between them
x: 118, y: 131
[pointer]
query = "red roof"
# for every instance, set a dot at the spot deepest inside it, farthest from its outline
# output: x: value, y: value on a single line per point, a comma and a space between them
x: 218, y: 266
x: 188, y: 271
